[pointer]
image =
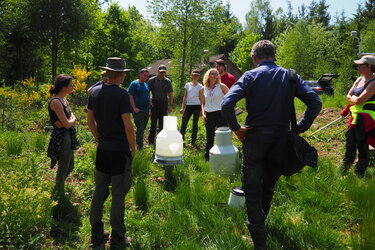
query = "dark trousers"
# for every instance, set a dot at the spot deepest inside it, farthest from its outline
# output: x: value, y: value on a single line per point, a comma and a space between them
x: 65, y: 164
x: 158, y: 111
x: 120, y: 186
x: 140, y: 120
x: 258, y: 180
x: 189, y: 111
x: 214, y: 120
x: 355, y: 141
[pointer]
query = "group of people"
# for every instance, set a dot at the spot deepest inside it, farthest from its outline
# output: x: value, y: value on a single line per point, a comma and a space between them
x: 269, y: 97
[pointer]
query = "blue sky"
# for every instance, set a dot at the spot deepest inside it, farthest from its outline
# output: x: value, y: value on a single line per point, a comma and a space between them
x: 241, y: 7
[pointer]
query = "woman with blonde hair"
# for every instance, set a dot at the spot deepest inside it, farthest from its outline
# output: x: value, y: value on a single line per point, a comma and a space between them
x: 211, y: 96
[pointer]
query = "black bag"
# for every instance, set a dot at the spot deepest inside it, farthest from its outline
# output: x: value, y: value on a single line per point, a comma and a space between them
x: 299, y: 152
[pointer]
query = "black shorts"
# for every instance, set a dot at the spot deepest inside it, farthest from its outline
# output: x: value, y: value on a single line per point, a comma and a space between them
x: 112, y: 162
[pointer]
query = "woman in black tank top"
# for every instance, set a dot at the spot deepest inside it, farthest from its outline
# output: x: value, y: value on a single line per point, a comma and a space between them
x: 362, y: 91
x: 63, y: 136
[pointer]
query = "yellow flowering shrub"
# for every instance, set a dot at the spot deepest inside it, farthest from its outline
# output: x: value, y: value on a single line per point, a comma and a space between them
x: 25, y: 93
x: 80, y: 86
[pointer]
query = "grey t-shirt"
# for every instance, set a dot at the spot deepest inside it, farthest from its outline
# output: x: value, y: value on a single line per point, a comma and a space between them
x: 160, y: 88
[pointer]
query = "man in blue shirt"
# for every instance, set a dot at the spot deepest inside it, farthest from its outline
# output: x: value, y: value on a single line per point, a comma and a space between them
x: 269, y: 97
x: 140, y: 101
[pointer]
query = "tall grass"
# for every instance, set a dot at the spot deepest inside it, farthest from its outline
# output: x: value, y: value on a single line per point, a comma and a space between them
x: 361, y: 193
x: 14, y: 143
x: 141, y: 195
x: 39, y: 142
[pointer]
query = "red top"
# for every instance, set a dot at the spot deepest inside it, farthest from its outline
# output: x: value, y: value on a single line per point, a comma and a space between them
x: 228, y: 79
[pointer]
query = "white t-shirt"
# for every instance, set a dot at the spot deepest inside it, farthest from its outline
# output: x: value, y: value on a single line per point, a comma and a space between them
x: 192, y: 93
x: 213, y: 98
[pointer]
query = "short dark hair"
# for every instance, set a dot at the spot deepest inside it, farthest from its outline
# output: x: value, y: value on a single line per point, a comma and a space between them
x: 59, y: 82
x: 221, y: 63
x: 263, y: 49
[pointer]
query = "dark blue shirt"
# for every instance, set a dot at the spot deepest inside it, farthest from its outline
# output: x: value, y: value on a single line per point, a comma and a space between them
x: 141, y: 95
x: 269, y: 97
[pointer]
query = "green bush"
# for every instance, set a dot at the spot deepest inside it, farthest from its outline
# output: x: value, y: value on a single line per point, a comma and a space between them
x: 25, y: 206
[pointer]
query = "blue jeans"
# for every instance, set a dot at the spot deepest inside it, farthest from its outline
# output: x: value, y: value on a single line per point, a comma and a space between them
x: 258, y: 180
x: 140, y: 120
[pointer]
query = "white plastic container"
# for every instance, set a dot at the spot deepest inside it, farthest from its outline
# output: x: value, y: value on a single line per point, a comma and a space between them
x: 236, y: 198
x: 169, y: 143
x: 224, y: 157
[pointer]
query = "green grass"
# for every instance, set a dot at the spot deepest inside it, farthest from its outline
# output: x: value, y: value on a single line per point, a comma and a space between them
x: 316, y: 209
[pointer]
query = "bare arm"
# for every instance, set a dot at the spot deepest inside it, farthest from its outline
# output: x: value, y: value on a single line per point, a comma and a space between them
x: 183, y: 101
x: 59, y: 110
x: 129, y: 130
x: 224, y: 88
x: 203, y: 102
x: 132, y: 102
x: 92, y: 124
x: 365, y: 96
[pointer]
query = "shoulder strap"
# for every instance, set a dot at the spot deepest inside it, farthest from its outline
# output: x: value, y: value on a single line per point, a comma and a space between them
x: 57, y: 99
x: 367, y: 83
x: 293, y: 80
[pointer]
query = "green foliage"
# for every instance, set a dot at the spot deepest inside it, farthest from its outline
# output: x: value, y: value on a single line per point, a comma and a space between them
x: 39, y: 141
x: 241, y: 55
x: 25, y: 204
x: 361, y: 194
x: 141, y: 164
x: 141, y: 195
x: 14, y: 143
x: 301, y: 48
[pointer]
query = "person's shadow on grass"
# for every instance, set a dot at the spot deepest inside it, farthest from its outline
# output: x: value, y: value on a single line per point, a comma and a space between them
x: 66, y: 220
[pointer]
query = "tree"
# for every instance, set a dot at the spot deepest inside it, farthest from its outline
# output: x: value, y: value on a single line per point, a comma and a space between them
x: 260, y: 19
x: 186, y: 27
x: 231, y: 29
x: 241, y: 55
x: 58, y: 23
x: 308, y: 48
x: 19, y: 53
x: 318, y: 12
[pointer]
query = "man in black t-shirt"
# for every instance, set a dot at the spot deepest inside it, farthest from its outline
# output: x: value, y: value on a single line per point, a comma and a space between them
x: 108, y: 117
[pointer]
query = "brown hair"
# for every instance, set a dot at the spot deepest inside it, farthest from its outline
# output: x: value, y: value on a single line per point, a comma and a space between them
x: 221, y: 63
x: 59, y: 82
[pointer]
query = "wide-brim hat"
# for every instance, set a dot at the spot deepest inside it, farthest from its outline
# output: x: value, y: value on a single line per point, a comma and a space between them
x: 369, y: 59
x: 116, y: 64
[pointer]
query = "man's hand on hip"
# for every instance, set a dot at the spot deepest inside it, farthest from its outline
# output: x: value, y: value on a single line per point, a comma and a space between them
x: 241, y: 133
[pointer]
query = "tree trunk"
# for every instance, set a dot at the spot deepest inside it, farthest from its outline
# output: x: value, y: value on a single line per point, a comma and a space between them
x: 184, y: 44
x: 54, y: 50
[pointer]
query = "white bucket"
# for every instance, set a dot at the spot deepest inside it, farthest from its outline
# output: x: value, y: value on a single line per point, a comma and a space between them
x: 236, y: 198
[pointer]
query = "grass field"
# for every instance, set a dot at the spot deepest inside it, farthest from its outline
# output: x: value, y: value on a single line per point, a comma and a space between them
x: 316, y: 209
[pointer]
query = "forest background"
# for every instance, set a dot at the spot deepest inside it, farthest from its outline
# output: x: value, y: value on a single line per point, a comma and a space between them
x: 317, y: 209
x: 42, y: 38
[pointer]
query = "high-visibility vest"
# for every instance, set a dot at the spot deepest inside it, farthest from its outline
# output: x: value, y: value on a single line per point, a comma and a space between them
x: 358, y: 109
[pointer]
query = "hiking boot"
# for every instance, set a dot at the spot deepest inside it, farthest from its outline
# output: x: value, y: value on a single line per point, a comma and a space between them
x: 122, y: 244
